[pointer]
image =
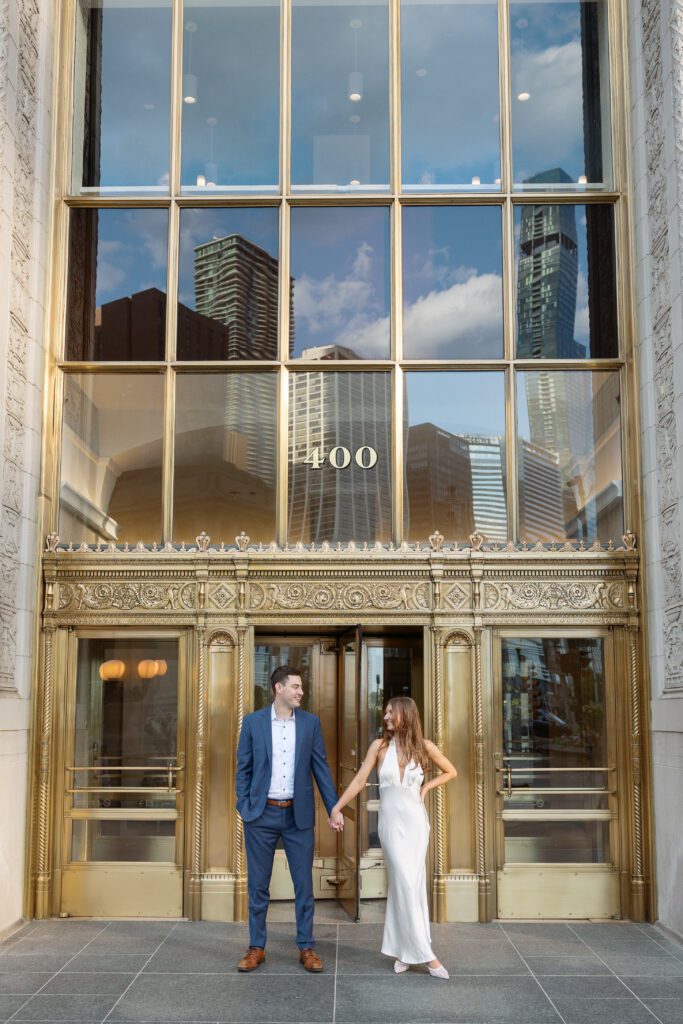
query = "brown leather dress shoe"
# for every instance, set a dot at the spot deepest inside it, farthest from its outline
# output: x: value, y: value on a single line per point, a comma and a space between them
x: 251, y: 959
x: 311, y: 961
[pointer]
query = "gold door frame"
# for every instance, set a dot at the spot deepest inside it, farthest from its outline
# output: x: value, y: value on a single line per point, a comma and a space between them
x: 558, y: 881
x: 135, y: 887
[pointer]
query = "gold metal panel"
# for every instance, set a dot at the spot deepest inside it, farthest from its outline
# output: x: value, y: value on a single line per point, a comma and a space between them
x: 458, y: 748
x: 548, y: 891
x: 120, y: 890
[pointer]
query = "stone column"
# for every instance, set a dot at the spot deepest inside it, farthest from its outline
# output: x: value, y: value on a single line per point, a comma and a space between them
x: 656, y: 76
x: 25, y: 126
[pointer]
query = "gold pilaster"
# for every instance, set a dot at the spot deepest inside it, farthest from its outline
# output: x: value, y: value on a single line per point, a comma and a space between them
x: 637, y: 876
x: 438, y: 884
x: 43, y: 858
x: 479, y: 780
x: 199, y: 780
x: 241, y: 900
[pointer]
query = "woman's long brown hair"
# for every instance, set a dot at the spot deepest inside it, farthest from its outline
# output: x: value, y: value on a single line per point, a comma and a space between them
x: 407, y: 731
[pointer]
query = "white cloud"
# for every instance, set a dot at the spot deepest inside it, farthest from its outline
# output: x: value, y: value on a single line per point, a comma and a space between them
x: 549, y: 126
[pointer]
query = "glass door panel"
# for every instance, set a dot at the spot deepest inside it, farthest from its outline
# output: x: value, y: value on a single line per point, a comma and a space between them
x: 555, y: 764
x: 124, y: 775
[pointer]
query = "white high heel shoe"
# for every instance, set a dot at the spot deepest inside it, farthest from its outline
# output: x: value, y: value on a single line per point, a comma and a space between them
x: 438, y: 972
x: 400, y: 967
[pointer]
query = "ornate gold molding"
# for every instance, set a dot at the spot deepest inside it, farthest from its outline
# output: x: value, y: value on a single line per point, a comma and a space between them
x: 43, y: 860
x: 342, y: 597
x: 439, y: 888
x: 241, y: 903
x: 479, y: 781
x: 199, y: 779
x: 637, y: 875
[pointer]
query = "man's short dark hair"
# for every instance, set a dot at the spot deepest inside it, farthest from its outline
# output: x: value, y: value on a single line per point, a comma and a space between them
x: 281, y: 673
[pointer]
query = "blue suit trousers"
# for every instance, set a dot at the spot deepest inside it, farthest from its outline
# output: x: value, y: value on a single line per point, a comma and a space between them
x: 261, y: 837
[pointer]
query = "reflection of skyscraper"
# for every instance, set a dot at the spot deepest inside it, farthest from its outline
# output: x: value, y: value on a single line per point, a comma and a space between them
x: 236, y: 283
x: 334, y: 410
x: 558, y: 403
x: 439, y: 483
x: 541, y: 506
x: 456, y: 483
x: 489, y: 507
x: 547, y: 278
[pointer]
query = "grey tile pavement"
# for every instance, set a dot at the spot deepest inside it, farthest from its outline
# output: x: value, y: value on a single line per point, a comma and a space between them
x: 180, y: 972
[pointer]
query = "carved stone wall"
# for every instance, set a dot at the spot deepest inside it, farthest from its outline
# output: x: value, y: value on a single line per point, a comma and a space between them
x: 656, y: 64
x: 25, y: 116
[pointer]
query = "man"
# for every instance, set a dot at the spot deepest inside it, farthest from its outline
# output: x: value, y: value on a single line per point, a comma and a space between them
x: 279, y: 749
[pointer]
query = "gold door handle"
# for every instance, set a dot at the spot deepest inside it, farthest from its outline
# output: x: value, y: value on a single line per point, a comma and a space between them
x: 508, y: 779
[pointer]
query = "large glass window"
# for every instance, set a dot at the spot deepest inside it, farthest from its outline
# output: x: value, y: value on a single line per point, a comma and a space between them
x: 340, y: 267
x: 112, y: 440
x: 340, y: 457
x: 566, y: 282
x: 231, y: 70
x: 559, y: 65
x: 340, y: 95
x: 387, y: 258
x: 122, y: 95
x: 449, y: 49
x: 452, y: 282
x: 116, y: 298
x: 454, y: 451
x: 228, y: 284
x: 569, y: 456
x: 225, y: 455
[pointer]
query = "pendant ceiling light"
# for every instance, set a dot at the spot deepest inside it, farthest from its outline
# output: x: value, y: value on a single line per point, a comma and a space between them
x: 190, y: 81
x: 355, y: 91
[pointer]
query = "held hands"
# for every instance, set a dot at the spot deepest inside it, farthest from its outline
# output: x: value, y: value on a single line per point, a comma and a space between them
x: 336, y: 821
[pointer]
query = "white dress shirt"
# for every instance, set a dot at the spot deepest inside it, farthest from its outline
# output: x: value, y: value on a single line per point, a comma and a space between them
x: 284, y: 745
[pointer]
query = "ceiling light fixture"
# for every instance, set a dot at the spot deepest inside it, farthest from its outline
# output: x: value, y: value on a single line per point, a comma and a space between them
x: 476, y: 180
x: 355, y: 77
x: 190, y: 81
x: 523, y: 96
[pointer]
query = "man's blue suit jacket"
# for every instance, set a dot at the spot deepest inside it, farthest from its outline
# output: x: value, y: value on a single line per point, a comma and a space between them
x: 254, y: 767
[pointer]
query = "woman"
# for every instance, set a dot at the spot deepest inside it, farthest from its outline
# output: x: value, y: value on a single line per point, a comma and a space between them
x: 402, y: 755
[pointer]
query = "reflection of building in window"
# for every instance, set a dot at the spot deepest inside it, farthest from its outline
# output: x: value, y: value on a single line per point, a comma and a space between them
x: 558, y: 404
x: 540, y: 494
x: 236, y: 284
x: 487, y: 462
x: 456, y: 483
x: 547, y: 278
x: 132, y: 327
x: 328, y: 410
x: 439, y: 483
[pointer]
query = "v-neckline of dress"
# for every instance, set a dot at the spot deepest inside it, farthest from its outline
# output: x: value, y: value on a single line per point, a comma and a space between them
x: 398, y: 764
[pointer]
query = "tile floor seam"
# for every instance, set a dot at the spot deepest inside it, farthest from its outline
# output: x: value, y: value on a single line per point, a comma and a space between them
x: 522, y: 958
x: 658, y: 943
x: 336, y: 965
x: 54, y: 975
x: 620, y: 980
x: 154, y: 953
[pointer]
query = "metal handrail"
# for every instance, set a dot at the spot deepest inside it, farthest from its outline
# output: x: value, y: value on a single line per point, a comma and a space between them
x: 533, y: 771
x: 154, y: 769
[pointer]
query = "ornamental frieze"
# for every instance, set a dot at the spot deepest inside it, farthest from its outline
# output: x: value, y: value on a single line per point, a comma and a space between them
x: 340, y: 596
x: 528, y: 595
x: 172, y: 596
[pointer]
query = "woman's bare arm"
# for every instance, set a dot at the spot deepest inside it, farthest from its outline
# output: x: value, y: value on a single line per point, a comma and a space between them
x: 358, y: 781
x: 446, y: 774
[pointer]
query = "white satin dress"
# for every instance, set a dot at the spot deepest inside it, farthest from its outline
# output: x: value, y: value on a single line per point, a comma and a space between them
x: 404, y: 835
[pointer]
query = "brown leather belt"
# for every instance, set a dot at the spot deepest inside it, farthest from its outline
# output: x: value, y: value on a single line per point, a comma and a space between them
x: 280, y: 803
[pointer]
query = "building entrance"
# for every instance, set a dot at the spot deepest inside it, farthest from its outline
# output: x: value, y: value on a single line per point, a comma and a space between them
x: 348, y: 678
